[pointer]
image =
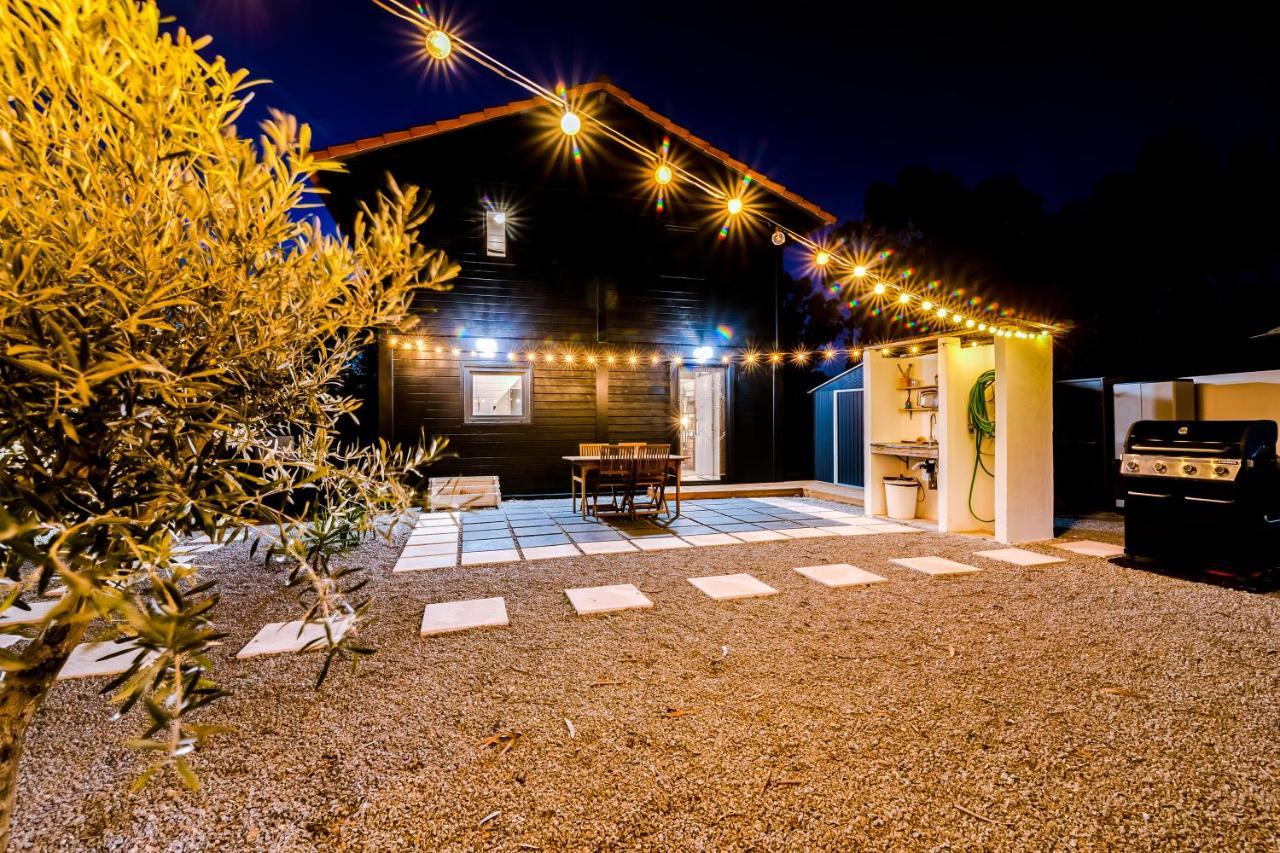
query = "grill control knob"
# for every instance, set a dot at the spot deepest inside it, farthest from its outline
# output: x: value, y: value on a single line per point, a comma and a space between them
x: 1220, y: 470
x: 1159, y: 468
x: 1188, y: 469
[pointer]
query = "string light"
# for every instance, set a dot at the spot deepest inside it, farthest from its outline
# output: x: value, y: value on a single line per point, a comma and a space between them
x: 570, y: 123
x: 440, y: 45
x: 801, y: 356
x: 879, y: 288
x: 822, y: 258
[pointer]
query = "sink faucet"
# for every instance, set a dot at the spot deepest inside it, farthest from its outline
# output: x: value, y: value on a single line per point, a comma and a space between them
x: 933, y: 427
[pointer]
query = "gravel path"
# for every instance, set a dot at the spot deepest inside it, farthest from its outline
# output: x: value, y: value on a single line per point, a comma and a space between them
x: 1072, y: 705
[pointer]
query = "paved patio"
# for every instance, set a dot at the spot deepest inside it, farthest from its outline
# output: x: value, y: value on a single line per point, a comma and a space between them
x: 532, y: 530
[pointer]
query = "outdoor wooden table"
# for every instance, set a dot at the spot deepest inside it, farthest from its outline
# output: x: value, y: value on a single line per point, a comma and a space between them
x: 590, y: 463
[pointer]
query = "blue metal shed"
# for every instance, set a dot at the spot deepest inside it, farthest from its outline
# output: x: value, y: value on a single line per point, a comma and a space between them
x: 837, y: 429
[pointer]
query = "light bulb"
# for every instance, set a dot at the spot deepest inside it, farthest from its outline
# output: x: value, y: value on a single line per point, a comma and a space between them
x: 926, y: 305
x: 663, y: 174
x: 439, y: 45
x: 859, y: 271
x: 942, y: 312
x: 735, y: 206
x: 570, y: 123
x: 500, y: 218
x: 822, y: 258
x: 879, y: 288
x: 906, y: 297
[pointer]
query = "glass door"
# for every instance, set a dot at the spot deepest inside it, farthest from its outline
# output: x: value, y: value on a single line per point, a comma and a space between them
x: 703, y: 402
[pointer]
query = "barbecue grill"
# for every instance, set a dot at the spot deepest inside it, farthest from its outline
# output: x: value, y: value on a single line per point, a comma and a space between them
x: 1203, y: 495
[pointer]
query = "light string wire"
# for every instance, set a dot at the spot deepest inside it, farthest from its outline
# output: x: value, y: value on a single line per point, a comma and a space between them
x: 937, y: 306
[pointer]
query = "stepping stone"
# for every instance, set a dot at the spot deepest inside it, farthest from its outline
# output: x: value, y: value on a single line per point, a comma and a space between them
x: 660, y: 543
x: 16, y: 616
x: 416, y: 538
x: 1090, y: 548
x: 704, y: 539
x: 607, y: 599
x: 1019, y: 557
x: 617, y: 546
x: 547, y: 552
x: 806, y: 532
x: 283, y: 637
x: 433, y: 550
x: 448, y: 616
x: 936, y: 566
x: 90, y: 660
x: 425, y: 523
x: 760, y: 535
x: 728, y: 587
x: 840, y: 574
x: 195, y: 548
x: 417, y: 564
x: 897, y: 528
x: 505, y: 555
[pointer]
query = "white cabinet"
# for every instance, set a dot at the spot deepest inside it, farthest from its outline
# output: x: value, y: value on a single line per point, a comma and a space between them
x: 1151, y: 401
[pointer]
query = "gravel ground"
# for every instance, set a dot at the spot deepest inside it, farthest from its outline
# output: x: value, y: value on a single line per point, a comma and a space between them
x: 1073, y: 705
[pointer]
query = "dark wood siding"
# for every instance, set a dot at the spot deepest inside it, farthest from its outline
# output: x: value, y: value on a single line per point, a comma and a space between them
x: 526, y: 457
x: 640, y: 405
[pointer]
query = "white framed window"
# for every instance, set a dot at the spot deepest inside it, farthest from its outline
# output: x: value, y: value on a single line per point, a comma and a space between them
x: 497, y: 395
x: 495, y: 233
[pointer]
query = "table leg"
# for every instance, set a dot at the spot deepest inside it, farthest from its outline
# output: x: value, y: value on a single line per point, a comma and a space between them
x: 679, y: 477
x: 584, y: 492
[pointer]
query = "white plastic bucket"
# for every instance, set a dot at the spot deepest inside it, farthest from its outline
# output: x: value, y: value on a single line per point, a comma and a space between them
x: 900, y: 495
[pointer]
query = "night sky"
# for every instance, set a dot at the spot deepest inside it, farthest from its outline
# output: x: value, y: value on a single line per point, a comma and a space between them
x: 824, y: 98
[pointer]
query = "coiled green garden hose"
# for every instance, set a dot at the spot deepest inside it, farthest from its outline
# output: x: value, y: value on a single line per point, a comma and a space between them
x: 982, y: 427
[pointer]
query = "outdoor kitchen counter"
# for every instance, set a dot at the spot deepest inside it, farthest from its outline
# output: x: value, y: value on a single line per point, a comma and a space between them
x: 915, y: 450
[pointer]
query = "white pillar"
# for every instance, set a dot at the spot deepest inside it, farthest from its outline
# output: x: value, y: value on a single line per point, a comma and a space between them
x: 873, y: 390
x: 1024, y: 439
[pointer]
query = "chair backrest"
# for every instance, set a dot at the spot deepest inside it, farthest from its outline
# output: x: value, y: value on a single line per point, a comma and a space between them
x: 632, y: 443
x: 652, y: 461
x: 615, y: 460
x: 590, y: 449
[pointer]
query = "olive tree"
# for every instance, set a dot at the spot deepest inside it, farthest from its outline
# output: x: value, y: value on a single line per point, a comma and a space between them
x: 174, y: 336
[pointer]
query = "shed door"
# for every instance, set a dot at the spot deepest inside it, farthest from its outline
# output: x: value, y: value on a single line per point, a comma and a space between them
x: 848, y: 437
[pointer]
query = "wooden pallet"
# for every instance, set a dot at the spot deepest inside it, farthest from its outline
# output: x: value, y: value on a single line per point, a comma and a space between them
x: 464, y: 493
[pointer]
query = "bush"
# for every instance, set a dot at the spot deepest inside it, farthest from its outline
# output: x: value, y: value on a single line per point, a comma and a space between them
x: 173, y: 339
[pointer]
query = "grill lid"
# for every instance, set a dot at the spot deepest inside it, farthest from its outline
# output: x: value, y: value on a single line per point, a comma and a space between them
x: 1216, y: 439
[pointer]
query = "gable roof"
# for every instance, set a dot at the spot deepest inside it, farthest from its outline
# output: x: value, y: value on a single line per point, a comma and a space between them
x: 360, y: 146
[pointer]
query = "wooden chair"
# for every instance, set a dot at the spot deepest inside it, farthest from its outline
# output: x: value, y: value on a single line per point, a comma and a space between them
x: 580, y: 476
x: 616, y: 471
x: 650, y: 481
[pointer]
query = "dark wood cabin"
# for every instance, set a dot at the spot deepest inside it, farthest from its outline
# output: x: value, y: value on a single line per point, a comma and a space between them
x: 560, y: 257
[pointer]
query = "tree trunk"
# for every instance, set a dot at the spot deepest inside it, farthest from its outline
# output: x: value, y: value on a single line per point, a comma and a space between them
x: 20, y: 696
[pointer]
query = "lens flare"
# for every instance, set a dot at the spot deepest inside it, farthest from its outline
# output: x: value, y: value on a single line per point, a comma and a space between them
x: 734, y: 206
x: 663, y: 174
x: 570, y: 123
